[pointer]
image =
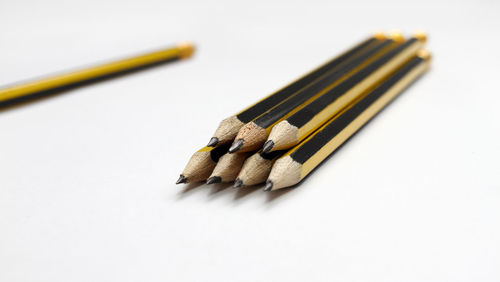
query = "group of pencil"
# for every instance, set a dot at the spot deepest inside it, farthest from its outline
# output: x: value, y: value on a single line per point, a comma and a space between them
x: 282, y: 138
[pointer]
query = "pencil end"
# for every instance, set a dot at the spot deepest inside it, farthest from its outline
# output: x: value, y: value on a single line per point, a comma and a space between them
x: 182, y: 179
x: 238, y: 183
x: 214, y: 179
x: 186, y: 49
x: 379, y: 35
x: 236, y: 146
x: 424, y: 54
x: 268, y: 146
x: 269, y: 186
x: 420, y: 35
x: 213, y: 142
x: 397, y: 36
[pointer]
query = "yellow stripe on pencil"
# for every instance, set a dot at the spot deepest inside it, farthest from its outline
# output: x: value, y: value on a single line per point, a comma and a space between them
x: 72, y: 78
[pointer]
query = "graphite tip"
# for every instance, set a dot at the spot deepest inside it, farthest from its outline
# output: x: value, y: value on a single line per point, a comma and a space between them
x: 236, y: 146
x: 238, y: 183
x: 269, y: 186
x: 214, y: 179
x: 213, y: 141
x: 182, y: 179
x: 268, y: 146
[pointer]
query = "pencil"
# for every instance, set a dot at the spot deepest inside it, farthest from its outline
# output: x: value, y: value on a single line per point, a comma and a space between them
x: 26, y: 90
x: 253, y: 135
x: 302, y: 159
x: 201, y: 164
x: 256, y: 168
x: 305, y: 121
x: 227, y: 168
x: 229, y: 127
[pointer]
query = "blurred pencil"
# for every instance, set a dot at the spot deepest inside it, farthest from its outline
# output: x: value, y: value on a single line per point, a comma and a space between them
x: 26, y: 90
x: 302, y: 159
x: 229, y: 127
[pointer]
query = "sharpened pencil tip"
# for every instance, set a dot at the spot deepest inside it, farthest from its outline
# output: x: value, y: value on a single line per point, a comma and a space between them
x: 236, y: 146
x: 237, y: 183
x: 214, y: 179
x: 182, y: 179
x: 269, y: 186
x: 268, y: 146
x: 213, y: 141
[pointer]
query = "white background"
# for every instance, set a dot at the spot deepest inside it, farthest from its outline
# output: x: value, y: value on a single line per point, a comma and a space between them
x: 86, y: 178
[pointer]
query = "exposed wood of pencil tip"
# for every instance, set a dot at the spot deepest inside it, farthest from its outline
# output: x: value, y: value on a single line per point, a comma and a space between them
x: 250, y: 138
x: 227, y: 168
x: 282, y: 136
x: 226, y: 131
x: 254, y: 171
x: 198, y: 168
x: 285, y: 172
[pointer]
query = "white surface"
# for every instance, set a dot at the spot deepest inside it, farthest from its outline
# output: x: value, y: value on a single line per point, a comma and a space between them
x: 86, y: 178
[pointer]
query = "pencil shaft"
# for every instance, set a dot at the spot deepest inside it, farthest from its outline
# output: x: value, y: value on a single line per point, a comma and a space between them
x: 329, y: 104
x: 322, y: 143
x: 277, y: 97
x: 320, y: 85
x: 93, y: 73
x: 297, y: 163
x: 305, y: 121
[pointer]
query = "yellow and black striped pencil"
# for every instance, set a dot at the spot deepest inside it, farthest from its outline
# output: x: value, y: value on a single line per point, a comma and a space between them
x: 229, y: 127
x: 253, y: 135
x: 302, y: 159
x: 23, y: 91
x: 301, y: 124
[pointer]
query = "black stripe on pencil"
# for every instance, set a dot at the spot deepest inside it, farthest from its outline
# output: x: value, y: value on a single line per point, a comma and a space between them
x: 256, y: 110
x: 309, y: 148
